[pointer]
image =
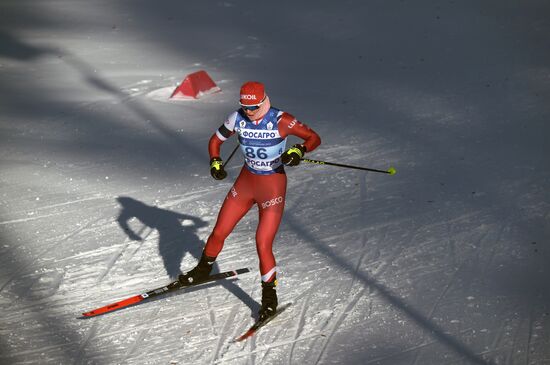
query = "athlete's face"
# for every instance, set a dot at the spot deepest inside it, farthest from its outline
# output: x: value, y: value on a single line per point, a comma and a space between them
x: 249, y: 112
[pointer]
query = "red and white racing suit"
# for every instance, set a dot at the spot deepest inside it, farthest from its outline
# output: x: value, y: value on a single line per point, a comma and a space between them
x: 262, y: 180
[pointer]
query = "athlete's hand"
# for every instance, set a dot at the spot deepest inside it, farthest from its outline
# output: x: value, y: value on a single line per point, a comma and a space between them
x: 216, y: 169
x: 292, y: 156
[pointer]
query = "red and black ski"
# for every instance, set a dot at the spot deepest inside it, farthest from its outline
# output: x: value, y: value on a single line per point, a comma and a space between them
x: 259, y: 324
x: 173, y: 286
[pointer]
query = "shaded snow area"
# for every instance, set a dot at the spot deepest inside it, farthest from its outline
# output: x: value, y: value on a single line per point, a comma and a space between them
x: 446, y: 262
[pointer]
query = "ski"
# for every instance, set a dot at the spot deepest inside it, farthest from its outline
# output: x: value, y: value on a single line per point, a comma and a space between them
x: 259, y: 324
x: 173, y: 286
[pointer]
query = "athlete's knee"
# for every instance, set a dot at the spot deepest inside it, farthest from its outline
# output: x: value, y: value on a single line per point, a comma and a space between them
x: 264, y: 240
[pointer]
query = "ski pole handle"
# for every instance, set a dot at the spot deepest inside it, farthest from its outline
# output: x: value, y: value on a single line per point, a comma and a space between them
x: 390, y: 171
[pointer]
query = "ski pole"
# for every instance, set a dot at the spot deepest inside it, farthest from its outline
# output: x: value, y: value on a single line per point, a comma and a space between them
x: 390, y: 171
x: 231, y: 155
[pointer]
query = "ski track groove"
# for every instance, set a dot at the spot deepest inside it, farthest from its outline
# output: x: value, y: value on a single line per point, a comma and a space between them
x: 451, y: 244
x: 529, y: 337
x: 448, y: 286
x: 434, y: 307
x: 253, y: 349
x: 29, y: 219
x: 142, y: 334
x: 276, y: 336
x: 118, y: 254
x: 339, y: 321
x: 225, y: 329
x: 360, y: 261
x: 498, y: 339
x: 138, y: 341
x: 45, y: 207
x: 263, y: 355
x: 265, y: 347
x: 299, y: 328
x: 91, y: 334
x: 350, y: 304
x: 515, y: 342
x: 346, y: 289
x: 211, y: 314
x: 414, y: 348
x: 39, y: 256
x: 386, y: 263
x: 398, y: 251
x: 492, y: 248
x: 192, y: 195
x: 42, y: 351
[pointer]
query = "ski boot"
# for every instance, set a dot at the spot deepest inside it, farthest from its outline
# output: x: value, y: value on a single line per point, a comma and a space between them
x: 198, y: 273
x: 269, y: 300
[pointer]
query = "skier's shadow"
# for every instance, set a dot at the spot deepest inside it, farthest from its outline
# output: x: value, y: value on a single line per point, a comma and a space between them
x: 175, y: 239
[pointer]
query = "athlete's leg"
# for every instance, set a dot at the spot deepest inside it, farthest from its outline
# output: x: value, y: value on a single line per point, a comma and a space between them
x: 271, y: 202
x: 238, y: 202
x: 270, y: 220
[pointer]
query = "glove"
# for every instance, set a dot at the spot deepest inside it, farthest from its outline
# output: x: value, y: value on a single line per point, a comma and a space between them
x: 216, y: 169
x: 292, y: 156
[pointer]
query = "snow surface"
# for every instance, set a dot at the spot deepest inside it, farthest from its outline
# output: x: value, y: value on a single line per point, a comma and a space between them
x: 446, y: 262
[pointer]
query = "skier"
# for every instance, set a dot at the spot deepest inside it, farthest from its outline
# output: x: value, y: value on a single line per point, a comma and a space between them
x: 262, y: 132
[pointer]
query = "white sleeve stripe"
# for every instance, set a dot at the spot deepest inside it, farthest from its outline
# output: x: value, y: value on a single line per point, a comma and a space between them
x: 269, y: 274
x: 220, y: 136
x: 230, y: 122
